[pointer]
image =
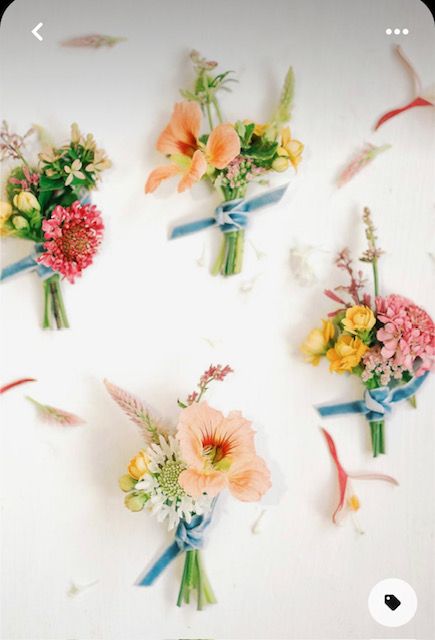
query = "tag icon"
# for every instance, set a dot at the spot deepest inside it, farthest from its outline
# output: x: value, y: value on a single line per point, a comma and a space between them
x: 391, y: 601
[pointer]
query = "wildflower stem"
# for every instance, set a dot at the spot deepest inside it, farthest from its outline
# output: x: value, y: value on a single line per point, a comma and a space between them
x: 375, y: 276
x: 209, y: 116
x: 217, y: 108
x: 219, y: 262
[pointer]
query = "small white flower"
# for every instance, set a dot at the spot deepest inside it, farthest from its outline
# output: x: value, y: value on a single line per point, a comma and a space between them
x: 73, y: 171
x: 167, y: 499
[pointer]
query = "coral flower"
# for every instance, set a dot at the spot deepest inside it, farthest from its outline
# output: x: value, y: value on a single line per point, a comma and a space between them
x: 72, y: 237
x: 220, y: 453
x: 346, y: 353
x: 190, y: 158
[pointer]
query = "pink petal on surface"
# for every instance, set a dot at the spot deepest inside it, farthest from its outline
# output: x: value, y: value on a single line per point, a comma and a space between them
x: 373, y: 476
x: 15, y: 383
x: 56, y: 415
x: 341, y: 473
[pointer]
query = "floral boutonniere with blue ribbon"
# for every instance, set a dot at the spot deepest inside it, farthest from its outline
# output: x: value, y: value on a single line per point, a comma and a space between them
x: 387, y: 341
x: 229, y: 156
x: 180, y: 473
x: 47, y: 202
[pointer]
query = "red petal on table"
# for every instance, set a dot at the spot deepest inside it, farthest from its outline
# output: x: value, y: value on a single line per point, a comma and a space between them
x: 418, y: 102
x: 341, y: 473
x: 16, y: 383
x: 374, y: 476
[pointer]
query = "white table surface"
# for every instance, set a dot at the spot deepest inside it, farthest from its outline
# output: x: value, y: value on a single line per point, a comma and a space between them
x: 150, y: 318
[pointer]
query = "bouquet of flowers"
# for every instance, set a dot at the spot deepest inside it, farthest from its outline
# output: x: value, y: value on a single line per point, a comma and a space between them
x: 180, y: 473
x: 388, y: 343
x: 48, y: 203
x: 228, y: 156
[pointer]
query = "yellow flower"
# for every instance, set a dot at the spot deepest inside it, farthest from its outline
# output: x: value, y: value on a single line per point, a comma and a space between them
x: 259, y: 129
x: 291, y: 149
x: 358, y: 318
x: 26, y: 202
x: 346, y: 353
x: 5, y: 214
x: 138, y: 466
x: 316, y: 343
x: 280, y: 164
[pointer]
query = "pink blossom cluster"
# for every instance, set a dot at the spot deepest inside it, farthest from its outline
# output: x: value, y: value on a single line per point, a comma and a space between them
x: 407, y: 336
x: 73, y: 235
x: 214, y: 372
x: 375, y: 364
x: 240, y: 171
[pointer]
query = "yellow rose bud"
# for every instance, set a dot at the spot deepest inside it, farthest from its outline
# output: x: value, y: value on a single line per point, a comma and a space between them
x: 346, y: 353
x: 138, y: 466
x: 316, y: 343
x: 127, y: 483
x: 280, y: 164
x: 135, y: 501
x: 20, y: 222
x: 26, y: 202
x: 358, y: 318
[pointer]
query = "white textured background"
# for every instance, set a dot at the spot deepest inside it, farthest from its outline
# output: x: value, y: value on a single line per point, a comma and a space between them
x: 150, y: 318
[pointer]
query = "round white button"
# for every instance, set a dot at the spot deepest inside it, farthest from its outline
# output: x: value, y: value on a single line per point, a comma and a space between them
x: 392, y: 602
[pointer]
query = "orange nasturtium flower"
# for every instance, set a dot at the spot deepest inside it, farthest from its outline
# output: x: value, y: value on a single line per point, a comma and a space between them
x: 189, y: 157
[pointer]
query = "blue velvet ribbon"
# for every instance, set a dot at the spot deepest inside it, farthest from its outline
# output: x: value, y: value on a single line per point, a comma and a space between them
x: 30, y: 262
x: 233, y: 214
x: 377, y: 403
x: 188, y: 536
x: 27, y: 264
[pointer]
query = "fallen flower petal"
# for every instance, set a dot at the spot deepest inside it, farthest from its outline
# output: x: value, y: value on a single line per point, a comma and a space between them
x: 420, y: 98
x: 92, y: 41
x: 15, y: 383
x: 56, y: 415
x: 361, y: 160
x: 347, y: 497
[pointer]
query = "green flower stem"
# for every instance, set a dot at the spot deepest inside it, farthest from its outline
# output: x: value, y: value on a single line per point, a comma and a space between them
x: 240, y: 245
x: 375, y: 276
x: 220, y: 259
x: 209, y: 116
x: 231, y: 239
x: 46, y: 323
x: 217, y: 109
x: 53, y: 304
x: 377, y: 434
x: 195, y: 578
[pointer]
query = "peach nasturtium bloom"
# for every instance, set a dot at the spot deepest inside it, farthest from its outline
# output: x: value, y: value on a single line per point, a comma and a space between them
x: 189, y: 157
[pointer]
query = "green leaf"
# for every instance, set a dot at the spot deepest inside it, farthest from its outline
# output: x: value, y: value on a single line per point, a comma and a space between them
x: 261, y: 150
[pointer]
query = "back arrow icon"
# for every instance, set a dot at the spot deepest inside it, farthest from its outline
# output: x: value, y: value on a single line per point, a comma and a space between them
x: 35, y: 31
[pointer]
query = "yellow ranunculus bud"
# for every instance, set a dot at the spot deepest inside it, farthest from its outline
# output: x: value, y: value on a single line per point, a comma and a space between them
x: 280, y: 164
x: 20, y: 222
x: 26, y: 202
x: 135, y: 501
x: 346, y: 353
x: 127, y: 483
x: 138, y: 466
x: 358, y: 318
x: 316, y: 343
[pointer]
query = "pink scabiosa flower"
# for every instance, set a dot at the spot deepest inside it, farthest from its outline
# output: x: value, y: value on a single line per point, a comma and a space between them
x: 220, y: 453
x: 72, y: 237
x: 407, y: 334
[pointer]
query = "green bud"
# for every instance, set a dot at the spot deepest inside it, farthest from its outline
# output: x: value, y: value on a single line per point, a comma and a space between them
x: 26, y: 202
x: 135, y: 501
x: 280, y: 164
x: 20, y: 222
x: 127, y: 483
